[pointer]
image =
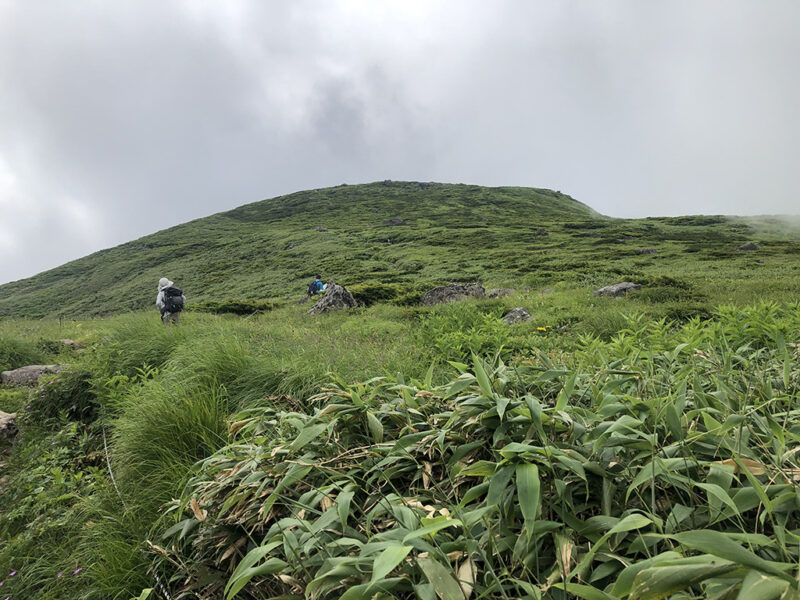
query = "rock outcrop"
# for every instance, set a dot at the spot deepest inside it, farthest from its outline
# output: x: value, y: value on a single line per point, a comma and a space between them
x: 617, y: 290
x: 748, y: 246
x: 28, y: 375
x: 500, y: 292
x: 336, y: 297
x: 8, y: 425
x: 516, y: 315
x: 453, y: 292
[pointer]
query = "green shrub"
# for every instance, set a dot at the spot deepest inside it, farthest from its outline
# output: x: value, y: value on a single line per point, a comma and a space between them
x: 67, y: 393
x: 399, y: 294
x: 16, y: 353
x: 235, y: 306
x: 455, y: 331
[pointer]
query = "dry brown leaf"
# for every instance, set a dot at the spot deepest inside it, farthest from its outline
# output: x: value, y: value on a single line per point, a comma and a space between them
x: 295, y: 583
x: 232, y: 548
x: 466, y: 577
x: 325, y: 503
x: 199, y: 514
x: 565, y: 554
x: 755, y: 467
x: 426, y: 473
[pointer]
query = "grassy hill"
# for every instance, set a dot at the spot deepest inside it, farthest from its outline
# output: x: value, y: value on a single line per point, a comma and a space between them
x: 503, y: 236
x: 643, y: 447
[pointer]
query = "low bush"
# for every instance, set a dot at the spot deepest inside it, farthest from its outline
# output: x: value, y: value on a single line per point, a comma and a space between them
x: 68, y: 393
x: 235, y: 306
x: 454, y: 331
x: 16, y: 353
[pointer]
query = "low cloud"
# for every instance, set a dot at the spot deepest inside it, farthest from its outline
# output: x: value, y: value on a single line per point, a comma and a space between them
x: 120, y: 119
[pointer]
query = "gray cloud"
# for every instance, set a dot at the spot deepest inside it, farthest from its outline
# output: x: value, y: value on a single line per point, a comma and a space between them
x: 123, y: 118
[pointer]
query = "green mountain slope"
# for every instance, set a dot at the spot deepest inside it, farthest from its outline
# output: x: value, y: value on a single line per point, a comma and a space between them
x: 498, y: 236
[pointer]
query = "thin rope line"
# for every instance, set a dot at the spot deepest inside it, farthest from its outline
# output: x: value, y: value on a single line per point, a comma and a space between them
x: 110, y: 472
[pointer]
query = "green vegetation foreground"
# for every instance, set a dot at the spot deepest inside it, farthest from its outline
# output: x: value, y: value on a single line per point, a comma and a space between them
x: 625, y: 457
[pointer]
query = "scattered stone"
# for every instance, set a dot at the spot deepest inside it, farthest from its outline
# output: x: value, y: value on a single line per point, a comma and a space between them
x: 760, y: 261
x: 484, y: 219
x: 748, y: 246
x: 541, y: 233
x: 336, y: 297
x: 591, y: 235
x: 625, y: 239
x: 526, y: 288
x: 8, y: 425
x: 72, y: 344
x: 28, y: 375
x: 290, y: 246
x: 546, y: 291
x: 322, y: 229
x: 499, y: 293
x: 396, y: 222
x: 516, y: 315
x: 453, y: 292
x: 645, y: 251
x: 617, y: 290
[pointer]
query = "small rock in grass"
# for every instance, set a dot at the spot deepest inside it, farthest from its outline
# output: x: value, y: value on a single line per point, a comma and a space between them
x: 617, y: 290
x: 748, y: 246
x: 499, y: 293
x: 516, y: 315
x: 28, y: 375
x: 453, y: 292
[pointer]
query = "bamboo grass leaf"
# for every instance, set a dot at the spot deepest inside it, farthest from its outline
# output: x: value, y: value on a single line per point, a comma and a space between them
x: 529, y: 491
x: 442, y: 579
x: 387, y: 560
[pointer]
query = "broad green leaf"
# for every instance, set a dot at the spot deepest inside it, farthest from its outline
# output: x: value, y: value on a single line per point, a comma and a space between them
x: 375, y: 428
x: 757, y: 586
x: 657, y: 582
x: 145, y: 594
x: 433, y: 528
x: 630, y: 523
x: 387, y: 560
x: 367, y: 591
x: 717, y: 492
x: 343, y: 508
x: 442, y: 578
x: 237, y: 582
x: 529, y: 491
x: 624, y: 582
x: 718, y: 544
x: 308, y: 433
x: 480, y: 375
x: 583, y: 591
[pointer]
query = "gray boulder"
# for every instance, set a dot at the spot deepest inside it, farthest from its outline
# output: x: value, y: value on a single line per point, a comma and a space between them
x: 516, y: 315
x: 645, y: 251
x: 453, y: 292
x: 396, y: 222
x: 8, y: 425
x: 321, y: 228
x: 28, y: 375
x: 499, y: 293
x: 617, y: 290
x: 72, y: 344
x: 748, y: 246
x: 336, y: 297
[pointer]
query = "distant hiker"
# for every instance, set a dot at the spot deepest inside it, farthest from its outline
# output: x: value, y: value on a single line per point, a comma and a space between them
x: 315, y: 287
x: 170, y: 301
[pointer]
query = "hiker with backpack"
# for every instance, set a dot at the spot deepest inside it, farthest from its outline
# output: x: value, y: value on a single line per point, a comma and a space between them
x: 170, y: 301
x: 315, y: 287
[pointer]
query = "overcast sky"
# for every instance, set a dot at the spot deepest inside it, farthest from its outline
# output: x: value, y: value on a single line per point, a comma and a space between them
x: 118, y: 119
